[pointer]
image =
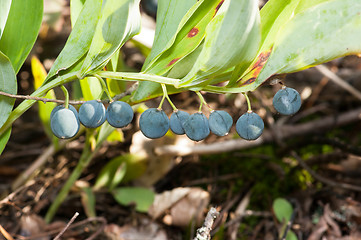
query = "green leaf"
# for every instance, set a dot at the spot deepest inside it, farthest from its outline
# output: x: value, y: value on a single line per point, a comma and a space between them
x: 91, y: 88
x: 291, y: 235
x: 75, y: 8
x: 45, y: 109
x: 169, y: 15
x: 232, y: 38
x: 8, y: 84
x: 189, y: 35
x: 4, y: 13
x: 122, y: 168
x: 21, y: 30
x: 120, y: 21
x: 88, y: 201
x: 319, y: 34
x: 305, y: 4
x: 282, y: 209
x: 79, y: 40
x: 274, y: 15
x: 141, y: 197
x: 4, y: 138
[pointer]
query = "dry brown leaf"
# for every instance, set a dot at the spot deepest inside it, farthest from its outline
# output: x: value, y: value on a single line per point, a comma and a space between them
x: 146, y: 230
x: 184, y: 205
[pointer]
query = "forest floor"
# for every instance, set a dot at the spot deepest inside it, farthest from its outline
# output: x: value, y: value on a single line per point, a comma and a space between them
x: 309, y: 163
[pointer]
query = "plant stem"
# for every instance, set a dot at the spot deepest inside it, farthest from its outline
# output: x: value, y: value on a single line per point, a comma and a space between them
x: 44, y: 100
x: 248, y: 102
x: 104, y: 86
x: 139, y: 77
x: 168, y: 98
x: 85, y: 158
x: 203, y: 101
x: 66, y: 96
x: 25, y: 105
x: 161, y: 103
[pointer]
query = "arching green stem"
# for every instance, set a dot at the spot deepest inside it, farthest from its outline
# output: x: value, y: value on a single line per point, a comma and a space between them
x: 248, y: 102
x: 66, y: 96
x: 104, y: 86
x: 165, y: 93
x: 203, y: 101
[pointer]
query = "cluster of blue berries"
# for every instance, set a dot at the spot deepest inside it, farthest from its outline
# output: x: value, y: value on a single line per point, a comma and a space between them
x: 65, y: 122
x: 154, y: 123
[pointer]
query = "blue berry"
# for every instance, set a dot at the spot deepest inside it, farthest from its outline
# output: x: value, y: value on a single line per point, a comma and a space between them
x: 250, y: 126
x: 287, y: 101
x: 220, y: 122
x: 119, y: 114
x: 154, y: 123
x: 197, y: 127
x: 92, y: 114
x: 57, y: 108
x: 64, y: 123
x: 177, y: 120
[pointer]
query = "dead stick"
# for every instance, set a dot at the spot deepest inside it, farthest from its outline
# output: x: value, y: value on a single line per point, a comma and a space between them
x: 204, y: 233
x: 323, y: 179
x: 67, y: 226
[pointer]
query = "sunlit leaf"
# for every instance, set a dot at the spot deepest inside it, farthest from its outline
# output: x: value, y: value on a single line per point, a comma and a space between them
x: 75, y: 8
x: 120, y: 20
x: 80, y: 38
x: 232, y: 38
x: 91, y: 88
x: 189, y: 35
x: 39, y: 74
x: 141, y: 197
x: 21, y: 30
x: 169, y: 15
x: 4, y: 13
x: 319, y: 34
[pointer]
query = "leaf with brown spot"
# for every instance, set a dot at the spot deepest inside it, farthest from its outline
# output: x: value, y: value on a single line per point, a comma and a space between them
x: 190, y: 33
x: 256, y: 68
x: 232, y: 39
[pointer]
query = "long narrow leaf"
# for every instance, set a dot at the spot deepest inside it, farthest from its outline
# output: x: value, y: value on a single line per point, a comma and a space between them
x: 169, y: 15
x: 189, y: 35
x: 80, y: 38
x: 4, y: 13
x: 235, y: 24
x: 319, y: 34
x: 120, y: 21
x: 8, y: 84
x: 21, y: 30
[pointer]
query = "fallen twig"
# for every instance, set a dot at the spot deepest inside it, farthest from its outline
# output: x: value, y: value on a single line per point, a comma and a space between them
x: 67, y: 226
x: 5, y: 233
x: 204, y: 233
x: 323, y: 179
x: 339, y: 81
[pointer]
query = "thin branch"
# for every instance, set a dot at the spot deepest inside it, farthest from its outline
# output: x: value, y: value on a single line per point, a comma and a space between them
x: 44, y: 100
x: 204, y: 233
x: 67, y: 226
x: 323, y: 179
x: 127, y: 92
x: 339, y: 81
x: 5, y: 233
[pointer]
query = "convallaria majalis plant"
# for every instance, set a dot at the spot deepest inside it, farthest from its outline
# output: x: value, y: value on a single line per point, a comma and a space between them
x: 197, y: 46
